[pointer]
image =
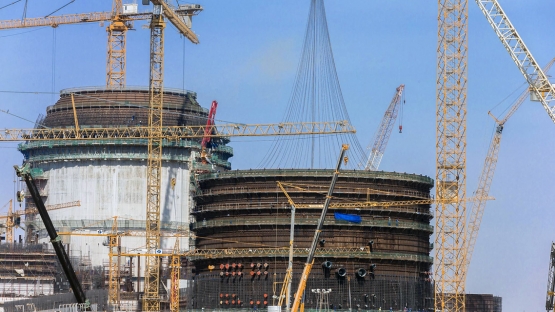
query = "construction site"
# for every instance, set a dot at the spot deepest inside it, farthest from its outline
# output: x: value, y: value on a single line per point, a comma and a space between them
x: 126, y: 199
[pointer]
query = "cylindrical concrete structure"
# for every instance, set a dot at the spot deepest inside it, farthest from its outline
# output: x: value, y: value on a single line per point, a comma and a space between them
x: 108, y: 177
x: 379, y: 256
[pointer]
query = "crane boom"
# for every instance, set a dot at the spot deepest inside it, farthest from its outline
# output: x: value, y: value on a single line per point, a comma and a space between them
x: 176, y: 21
x: 120, y: 23
x: 24, y: 172
x: 66, y: 19
x: 384, y: 131
x: 178, y: 132
x: 310, y: 258
x: 539, y: 83
x: 486, y: 177
x: 551, y: 280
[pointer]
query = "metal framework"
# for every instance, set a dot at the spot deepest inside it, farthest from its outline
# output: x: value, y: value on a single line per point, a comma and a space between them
x: 119, y: 24
x: 114, y: 245
x: 486, y: 177
x: 536, y: 78
x: 175, y: 266
x: 10, y: 222
x: 13, y: 215
x: 115, y: 69
x: 451, y: 155
x: 178, y: 132
x: 384, y: 131
x: 151, y: 300
x: 310, y: 258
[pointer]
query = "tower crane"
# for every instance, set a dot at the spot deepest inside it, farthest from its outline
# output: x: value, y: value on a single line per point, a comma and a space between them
x: 541, y: 89
x: 486, y: 177
x: 450, y: 213
x: 384, y: 131
x: 13, y: 218
x: 551, y: 280
x: 450, y: 261
x: 151, y: 297
x: 120, y: 22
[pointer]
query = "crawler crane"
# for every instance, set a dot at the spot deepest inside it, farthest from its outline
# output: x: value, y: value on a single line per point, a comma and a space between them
x: 384, y: 131
x: 486, y: 177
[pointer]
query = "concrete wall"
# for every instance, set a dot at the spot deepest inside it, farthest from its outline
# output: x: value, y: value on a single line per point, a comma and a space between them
x: 112, y: 188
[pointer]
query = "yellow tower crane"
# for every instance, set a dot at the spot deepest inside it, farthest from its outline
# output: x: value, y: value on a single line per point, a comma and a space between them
x: 175, y: 133
x: 13, y: 218
x: 121, y: 19
x: 151, y: 297
x: 450, y: 212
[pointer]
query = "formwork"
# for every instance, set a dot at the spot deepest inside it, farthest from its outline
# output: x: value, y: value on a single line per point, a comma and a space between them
x: 242, y: 230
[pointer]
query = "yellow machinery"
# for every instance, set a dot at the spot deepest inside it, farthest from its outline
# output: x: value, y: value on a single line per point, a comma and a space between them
x: 13, y: 218
x: 310, y: 258
x: 120, y: 22
x: 450, y: 213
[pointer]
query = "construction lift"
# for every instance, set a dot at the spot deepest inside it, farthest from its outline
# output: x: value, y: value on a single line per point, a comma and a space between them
x: 384, y: 131
x: 25, y: 173
x: 310, y: 259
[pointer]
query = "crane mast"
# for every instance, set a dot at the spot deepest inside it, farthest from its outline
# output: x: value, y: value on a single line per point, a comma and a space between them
x: 450, y: 213
x: 542, y: 90
x: 115, y: 68
x: 384, y: 131
x: 151, y: 300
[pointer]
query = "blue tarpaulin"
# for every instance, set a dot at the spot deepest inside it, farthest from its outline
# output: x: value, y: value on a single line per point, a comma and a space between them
x: 347, y: 217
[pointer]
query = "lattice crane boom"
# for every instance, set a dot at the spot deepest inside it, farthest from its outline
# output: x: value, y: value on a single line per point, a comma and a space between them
x: 384, y: 131
x: 486, y: 177
x: 450, y: 214
x: 178, y: 132
x: 521, y: 55
x: 310, y: 259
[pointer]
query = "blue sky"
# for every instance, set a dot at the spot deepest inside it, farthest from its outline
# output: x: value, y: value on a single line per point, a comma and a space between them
x: 247, y: 59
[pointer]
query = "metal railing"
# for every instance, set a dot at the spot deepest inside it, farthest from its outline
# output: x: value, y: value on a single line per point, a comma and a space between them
x: 205, y: 224
x: 347, y: 252
x: 321, y: 173
x: 246, y: 206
